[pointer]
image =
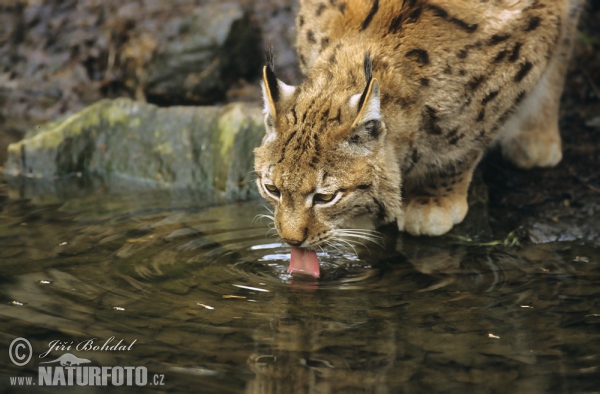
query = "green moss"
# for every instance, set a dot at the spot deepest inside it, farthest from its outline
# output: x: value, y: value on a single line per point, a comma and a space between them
x: 157, y: 134
x: 231, y: 121
x: 115, y: 114
x: 134, y: 123
x: 511, y: 240
x: 164, y: 149
x: 590, y: 40
x: 53, y: 134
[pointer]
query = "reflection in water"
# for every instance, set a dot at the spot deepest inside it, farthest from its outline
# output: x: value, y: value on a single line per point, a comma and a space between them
x: 206, y: 296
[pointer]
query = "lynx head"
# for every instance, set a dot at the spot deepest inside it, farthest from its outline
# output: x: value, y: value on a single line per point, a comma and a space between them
x: 324, y: 164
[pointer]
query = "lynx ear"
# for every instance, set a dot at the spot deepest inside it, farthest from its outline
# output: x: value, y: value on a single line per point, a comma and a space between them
x: 368, y: 125
x: 367, y: 104
x: 274, y: 91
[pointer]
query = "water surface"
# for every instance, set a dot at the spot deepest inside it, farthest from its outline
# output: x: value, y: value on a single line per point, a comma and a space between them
x: 205, y: 295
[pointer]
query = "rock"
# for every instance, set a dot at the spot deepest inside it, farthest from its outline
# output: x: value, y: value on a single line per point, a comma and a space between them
x: 552, y: 223
x: 56, y: 57
x: 136, y: 145
x: 203, y: 53
x: 594, y: 122
x: 277, y: 20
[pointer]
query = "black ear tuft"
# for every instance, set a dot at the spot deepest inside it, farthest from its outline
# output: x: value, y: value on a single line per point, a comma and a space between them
x: 270, y: 57
x: 271, y: 79
x: 368, y: 65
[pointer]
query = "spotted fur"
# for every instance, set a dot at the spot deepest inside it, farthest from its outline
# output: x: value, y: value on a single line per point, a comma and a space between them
x: 400, y: 100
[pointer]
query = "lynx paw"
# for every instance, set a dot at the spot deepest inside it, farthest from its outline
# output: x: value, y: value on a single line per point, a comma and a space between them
x: 432, y: 215
x: 533, y: 150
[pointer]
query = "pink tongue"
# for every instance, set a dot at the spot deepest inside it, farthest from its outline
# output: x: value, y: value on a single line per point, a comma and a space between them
x: 304, y: 261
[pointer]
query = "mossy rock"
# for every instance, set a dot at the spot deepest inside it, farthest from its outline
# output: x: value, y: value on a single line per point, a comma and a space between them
x: 209, y: 149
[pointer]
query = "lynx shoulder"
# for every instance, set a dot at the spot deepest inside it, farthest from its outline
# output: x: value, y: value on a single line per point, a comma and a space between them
x: 399, y: 102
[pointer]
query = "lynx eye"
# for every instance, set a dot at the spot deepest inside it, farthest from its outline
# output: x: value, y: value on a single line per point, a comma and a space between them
x: 323, y: 198
x: 272, y: 190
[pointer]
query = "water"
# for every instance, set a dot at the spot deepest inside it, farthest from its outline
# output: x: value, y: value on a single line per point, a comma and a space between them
x: 204, y: 296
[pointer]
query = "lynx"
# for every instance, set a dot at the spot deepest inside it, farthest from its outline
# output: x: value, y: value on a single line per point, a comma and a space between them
x: 399, y: 102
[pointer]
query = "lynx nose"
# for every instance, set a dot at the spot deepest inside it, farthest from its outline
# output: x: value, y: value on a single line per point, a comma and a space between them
x: 293, y: 242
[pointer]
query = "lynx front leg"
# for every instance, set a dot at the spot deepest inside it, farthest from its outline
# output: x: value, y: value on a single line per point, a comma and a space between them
x: 434, y: 208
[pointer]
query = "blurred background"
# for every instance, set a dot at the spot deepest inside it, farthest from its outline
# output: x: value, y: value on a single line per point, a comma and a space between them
x: 59, y: 56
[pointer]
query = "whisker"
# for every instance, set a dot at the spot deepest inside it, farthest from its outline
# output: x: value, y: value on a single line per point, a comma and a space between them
x: 279, y: 239
x: 366, y: 238
x: 271, y: 224
x: 367, y: 233
x: 261, y: 216
x: 359, y: 230
x: 334, y: 246
x: 359, y: 243
x: 345, y: 242
x: 360, y: 234
x: 268, y: 209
